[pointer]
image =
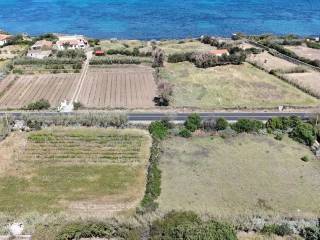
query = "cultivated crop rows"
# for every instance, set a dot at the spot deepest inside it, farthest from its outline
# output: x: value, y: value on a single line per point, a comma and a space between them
x: 29, y: 88
x: 70, y: 148
x: 131, y: 87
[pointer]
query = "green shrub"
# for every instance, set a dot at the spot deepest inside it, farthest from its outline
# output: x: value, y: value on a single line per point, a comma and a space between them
x: 280, y: 230
x: 305, y: 159
x: 158, y: 130
x: 282, y: 123
x: 180, y: 57
x: 184, y: 132
x: 279, y: 136
x: 193, y: 122
x: 153, y: 187
x: 313, y: 45
x: 77, y: 105
x: 188, y: 226
x: 41, y: 104
x: 311, y: 233
x: 247, y: 125
x: 304, y: 133
x: 221, y: 124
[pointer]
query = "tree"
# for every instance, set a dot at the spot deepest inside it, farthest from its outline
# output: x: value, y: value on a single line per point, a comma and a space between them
x: 193, y: 122
x: 221, y: 124
x: 158, y: 57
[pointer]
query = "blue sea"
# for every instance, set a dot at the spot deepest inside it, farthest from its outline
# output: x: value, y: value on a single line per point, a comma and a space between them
x: 160, y: 19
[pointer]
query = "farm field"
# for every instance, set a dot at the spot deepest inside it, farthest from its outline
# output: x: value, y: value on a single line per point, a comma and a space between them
x: 118, y: 87
x: 180, y: 46
x: 75, y: 171
x: 306, y: 52
x: 244, y: 175
x: 231, y: 86
x: 29, y: 88
x: 270, y: 62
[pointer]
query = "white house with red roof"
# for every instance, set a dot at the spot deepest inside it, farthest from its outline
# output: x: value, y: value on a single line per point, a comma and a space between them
x: 72, y: 42
x: 4, y: 38
x: 219, y: 52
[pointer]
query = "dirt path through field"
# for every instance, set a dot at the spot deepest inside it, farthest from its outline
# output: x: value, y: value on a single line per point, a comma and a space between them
x: 82, y: 77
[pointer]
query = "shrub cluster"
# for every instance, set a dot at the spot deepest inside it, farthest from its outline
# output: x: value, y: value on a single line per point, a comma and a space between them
x: 79, y: 230
x: 118, y: 60
x: 153, y: 186
x: 193, y: 122
x: 313, y: 45
x: 41, y: 104
x: 217, y: 125
x: 280, y: 230
x: 205, y: 60
x: 215, y: 42
x: 72, y: 53
x: 158, y: 130
x: 247, y: 125
x: 127, y: 52
x: 85, y: 119
x: 187, y: 225
x: 46, y: 61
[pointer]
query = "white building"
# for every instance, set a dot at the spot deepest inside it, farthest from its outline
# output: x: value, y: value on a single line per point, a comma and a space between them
x: 72, y: 42
x: 4, y: 38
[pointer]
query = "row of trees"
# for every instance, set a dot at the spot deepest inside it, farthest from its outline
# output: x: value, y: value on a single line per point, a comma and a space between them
x: 205, y: 60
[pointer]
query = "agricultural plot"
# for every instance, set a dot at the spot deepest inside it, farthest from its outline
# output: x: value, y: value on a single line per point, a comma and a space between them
x: 29, y: 88
x: 269, y: 62
x: 76, y: 171
x: 306, y: 52
x: 244, y: 175
x: 118, y: 87
x: 302, y: 77
x: 176, y: 46
x: 241, y: 86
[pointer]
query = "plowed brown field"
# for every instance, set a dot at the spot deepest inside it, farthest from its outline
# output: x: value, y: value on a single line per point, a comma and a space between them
x: 29, y: 88
x: 129, y: 87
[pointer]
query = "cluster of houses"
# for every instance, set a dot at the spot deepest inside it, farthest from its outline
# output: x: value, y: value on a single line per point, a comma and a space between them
x: 43, y: 48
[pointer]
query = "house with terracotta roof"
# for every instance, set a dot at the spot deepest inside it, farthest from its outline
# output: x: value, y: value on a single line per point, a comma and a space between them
x: 72, y: 42
x: 219, y: 52
x: 4, y: 38
x: 42, y: 45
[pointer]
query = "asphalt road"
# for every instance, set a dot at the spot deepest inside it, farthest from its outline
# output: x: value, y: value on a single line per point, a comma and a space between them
x: 144, y: 117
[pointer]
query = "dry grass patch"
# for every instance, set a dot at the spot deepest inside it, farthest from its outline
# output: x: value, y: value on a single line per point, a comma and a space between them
x: 244, y: 175
x: 77, y: 171
x: 269, y: 62
x: 180, y: 46
x: 305, y: 52
x: 230, y: 86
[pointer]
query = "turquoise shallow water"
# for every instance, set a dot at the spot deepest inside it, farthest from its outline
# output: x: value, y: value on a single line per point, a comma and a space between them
x: 148, y: 19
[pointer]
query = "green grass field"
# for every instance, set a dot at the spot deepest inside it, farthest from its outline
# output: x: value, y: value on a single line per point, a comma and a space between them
x: 244, y: 175
x: 230, y: 87
x: 76, y: 171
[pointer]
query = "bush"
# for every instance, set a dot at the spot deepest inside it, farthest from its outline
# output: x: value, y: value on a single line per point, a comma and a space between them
x: 187, y: 225
x: 280, y: 230
x: 180, y: 57
x: 310, y: 233
x: 305, y: 159
x: 158, y: 130
x: 221, y: 124
x: 247, y: 125
x: 41, y: 104
x: 77, y: 105
x: 153, y: 187
x: 193, y: 122
x: 282, y: 123
x: 279, y: 136
x: 304, y: 133
x: 185, y: 133
x: 118, y: 60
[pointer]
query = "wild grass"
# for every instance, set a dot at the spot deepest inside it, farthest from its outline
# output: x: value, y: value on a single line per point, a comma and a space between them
x: 182, y: 46
x: 247, y: 175
x: 241, y: 86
